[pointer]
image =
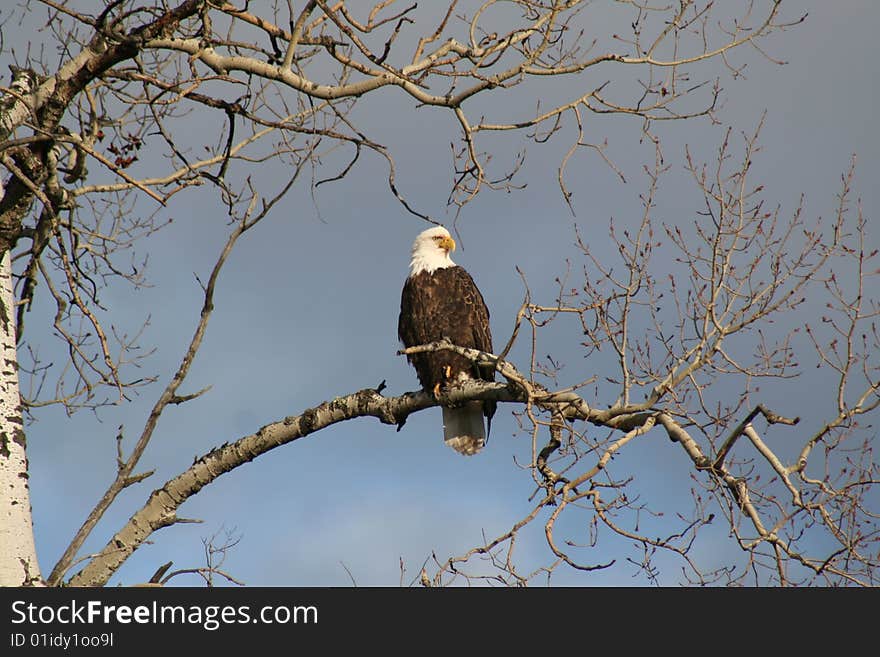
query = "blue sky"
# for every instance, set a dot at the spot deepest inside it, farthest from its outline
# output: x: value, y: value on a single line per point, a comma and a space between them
x: 307, y: 310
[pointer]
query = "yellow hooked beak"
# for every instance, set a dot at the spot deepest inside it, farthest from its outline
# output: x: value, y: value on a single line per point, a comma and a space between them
x: 447, y: 244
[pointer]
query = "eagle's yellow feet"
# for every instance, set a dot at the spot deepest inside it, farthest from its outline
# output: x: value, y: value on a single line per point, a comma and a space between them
x: 436, y: 391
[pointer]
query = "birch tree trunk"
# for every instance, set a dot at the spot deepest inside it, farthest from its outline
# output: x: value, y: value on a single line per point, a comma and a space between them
x: 18, y: 555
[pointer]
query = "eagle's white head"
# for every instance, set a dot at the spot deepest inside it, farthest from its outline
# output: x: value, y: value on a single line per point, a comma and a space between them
x: 431, y: 251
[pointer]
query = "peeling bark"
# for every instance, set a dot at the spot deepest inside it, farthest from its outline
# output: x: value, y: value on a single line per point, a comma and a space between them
x: 18, y: 554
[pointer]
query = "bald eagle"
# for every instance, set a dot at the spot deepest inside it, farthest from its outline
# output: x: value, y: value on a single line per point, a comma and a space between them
x: 440, y: 300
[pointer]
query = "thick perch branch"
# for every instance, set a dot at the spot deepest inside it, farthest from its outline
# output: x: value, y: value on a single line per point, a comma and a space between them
x: 161, y: 508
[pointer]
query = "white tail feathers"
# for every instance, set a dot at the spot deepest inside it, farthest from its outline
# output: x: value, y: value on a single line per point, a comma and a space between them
x: 463, y: 428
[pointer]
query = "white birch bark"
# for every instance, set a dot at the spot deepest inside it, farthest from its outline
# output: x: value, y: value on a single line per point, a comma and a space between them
x: 18, y: 555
